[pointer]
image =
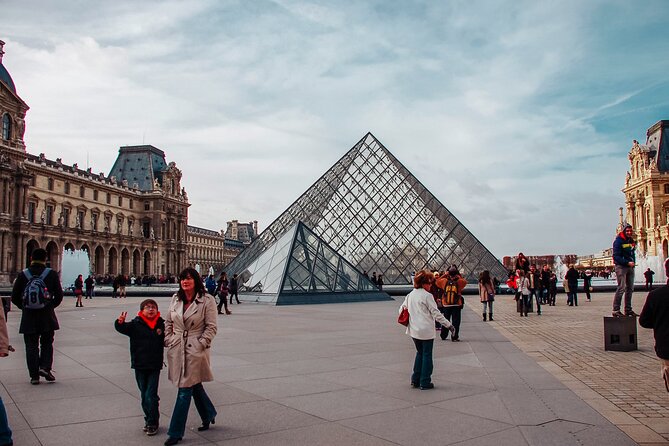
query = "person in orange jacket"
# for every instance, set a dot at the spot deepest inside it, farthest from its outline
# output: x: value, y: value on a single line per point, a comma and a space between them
x: 452, y: 301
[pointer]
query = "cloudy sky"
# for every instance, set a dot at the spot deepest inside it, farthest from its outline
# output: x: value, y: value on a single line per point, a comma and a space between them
x: 517, y: 115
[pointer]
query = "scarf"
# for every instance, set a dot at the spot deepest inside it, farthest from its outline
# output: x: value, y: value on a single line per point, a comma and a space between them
x: 150, y: 322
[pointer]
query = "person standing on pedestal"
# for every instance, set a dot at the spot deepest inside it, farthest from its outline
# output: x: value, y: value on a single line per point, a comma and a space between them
x: 624, y: 258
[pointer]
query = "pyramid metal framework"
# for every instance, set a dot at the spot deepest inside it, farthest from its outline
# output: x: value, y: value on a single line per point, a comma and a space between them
x: 300, y: 268
x: 376, y: 214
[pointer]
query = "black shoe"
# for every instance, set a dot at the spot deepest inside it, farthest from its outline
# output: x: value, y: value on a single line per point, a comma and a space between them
x: 172, y: 441
x: 630, y: 313
x: 444, y: 334
x: 145, y: 428
x: 205, y: 425
x: 617, y: 313
x: 415, y: 385
x: 47, y: 375
x: 454, y: 339
x: 427, y: 386
x: 151, y: 430
x: 34, y: 381
x: 490, y: 318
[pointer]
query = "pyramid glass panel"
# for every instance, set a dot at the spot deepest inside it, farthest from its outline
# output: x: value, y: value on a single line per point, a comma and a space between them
x: 302, y: 268
x: 370, y: 209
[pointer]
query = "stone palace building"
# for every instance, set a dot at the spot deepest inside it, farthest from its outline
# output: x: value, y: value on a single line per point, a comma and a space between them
x: 133, y: 221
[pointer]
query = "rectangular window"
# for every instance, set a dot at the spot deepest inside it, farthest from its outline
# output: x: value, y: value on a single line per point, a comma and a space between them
x: 147, y: 206
x: 131, y: 204
x: 49, y: 183
x: 67, y: 188
x: 146, y: 229
x: 120, y: 200
x: 95, y: 195
x: 49, y: 214
x: 108, y: 198
x: 80, y: 223
x: 95, y: 222
x: 32, y: 208
x: 82, y: 191
x: 666, y: 188
x: 66, y: 217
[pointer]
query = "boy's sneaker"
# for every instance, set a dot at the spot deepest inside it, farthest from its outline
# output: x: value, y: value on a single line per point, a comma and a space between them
x: 47, y: 375
x: 151, y: 430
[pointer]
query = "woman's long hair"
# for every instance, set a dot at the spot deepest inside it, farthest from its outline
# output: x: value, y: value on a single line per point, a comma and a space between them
x: 484, y: 277
x: 199, y: 286
x: 224, y: 276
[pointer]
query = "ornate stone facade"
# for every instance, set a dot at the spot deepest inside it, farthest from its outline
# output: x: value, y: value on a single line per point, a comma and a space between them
x: 647, y: 191
x: 132, y: 221
x: 211, y: 249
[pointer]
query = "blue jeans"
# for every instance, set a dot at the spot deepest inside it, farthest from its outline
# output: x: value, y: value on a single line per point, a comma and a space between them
x: 572, y: 296
x: 422, y: 365
x: 534, y: 293
x: 527, y: 299
x: 203, y: 405
x: 625, y: 278
x: 147, y: 381
x: 5, y: 431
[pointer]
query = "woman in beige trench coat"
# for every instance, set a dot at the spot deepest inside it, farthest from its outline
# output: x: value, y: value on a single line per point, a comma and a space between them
x: 190, y: 327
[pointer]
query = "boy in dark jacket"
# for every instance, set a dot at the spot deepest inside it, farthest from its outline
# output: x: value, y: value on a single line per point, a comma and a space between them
x: 147, y: 333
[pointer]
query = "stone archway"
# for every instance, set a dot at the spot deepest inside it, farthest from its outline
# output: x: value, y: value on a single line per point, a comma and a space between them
x: 113, y: 261
x: 69, y: 247
x: 125, y: 262
x: 99, y: 261
x: 53, y: 255
x: 30, y: 247
x: 147, y: 262
x: 136, y: 262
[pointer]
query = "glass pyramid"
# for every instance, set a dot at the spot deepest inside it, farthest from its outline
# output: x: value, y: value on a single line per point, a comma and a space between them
x: 377, y: 215
x: 301, y: 268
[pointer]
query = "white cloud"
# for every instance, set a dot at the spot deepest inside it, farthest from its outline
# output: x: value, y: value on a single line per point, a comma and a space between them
x: 492, y: 107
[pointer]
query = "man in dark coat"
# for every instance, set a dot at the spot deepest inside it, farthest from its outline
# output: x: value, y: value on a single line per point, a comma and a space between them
x: 233, y: 288
x: 624, y: 258
x: 655, y: 315
x: 38, y: 326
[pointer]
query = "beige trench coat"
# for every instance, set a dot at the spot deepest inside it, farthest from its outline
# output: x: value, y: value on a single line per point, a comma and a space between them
x: 188, y: 337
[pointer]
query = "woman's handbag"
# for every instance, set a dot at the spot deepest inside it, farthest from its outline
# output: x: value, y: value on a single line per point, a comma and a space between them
x: 403, y: 318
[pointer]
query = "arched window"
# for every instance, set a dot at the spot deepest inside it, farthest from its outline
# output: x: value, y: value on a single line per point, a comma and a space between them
x: 6, y: 127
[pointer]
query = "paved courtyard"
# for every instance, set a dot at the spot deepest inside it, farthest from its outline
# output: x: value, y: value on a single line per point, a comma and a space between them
x: 339, y: 375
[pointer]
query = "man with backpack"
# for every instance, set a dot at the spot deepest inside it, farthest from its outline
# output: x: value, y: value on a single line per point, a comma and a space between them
x: 451, y: 285
x: 37, y: 292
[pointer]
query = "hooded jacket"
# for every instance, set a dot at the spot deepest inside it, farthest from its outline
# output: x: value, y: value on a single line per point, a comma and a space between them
x: 623, y: 250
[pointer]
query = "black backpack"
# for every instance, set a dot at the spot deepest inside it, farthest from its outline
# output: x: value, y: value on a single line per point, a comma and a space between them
x: 35, y: 294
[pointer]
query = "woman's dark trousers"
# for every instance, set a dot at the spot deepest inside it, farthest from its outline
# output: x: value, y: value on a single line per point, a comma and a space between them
x: 203, y: 405
x: 422, y: 365
x: 147, y: 381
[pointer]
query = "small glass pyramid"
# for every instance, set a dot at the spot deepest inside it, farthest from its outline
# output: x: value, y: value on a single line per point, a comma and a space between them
x: 301, y: 268
x: 370, y: 209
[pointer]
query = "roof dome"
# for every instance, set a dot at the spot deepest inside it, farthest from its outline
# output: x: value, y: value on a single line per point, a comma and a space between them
x: 4, y: 74
x: 6, y: 78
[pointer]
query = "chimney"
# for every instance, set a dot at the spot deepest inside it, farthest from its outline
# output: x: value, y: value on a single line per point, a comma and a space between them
x: 255, y: 227
x: 2, y: 51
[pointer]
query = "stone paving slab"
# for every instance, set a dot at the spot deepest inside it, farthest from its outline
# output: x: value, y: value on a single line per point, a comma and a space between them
x: 314, y: 375
x: 624, y: 387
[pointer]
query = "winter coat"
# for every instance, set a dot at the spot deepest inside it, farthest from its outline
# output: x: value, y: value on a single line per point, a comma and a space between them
x: 572, y: 278
x: 423, y: 312
x: 623, y: 250
x: 210, y: 285
x: 485, y: 290
x: 188, y: 337
x: 43, y: 320
x: 655, y: 315
x: 146, y: 345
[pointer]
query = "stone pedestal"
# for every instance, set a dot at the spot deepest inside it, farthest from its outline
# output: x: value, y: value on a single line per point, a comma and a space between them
x: 620, y: 334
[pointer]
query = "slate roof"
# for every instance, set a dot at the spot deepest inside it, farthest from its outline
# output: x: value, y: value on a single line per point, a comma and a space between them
x: 139, y: 164
x: 6, y: 78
